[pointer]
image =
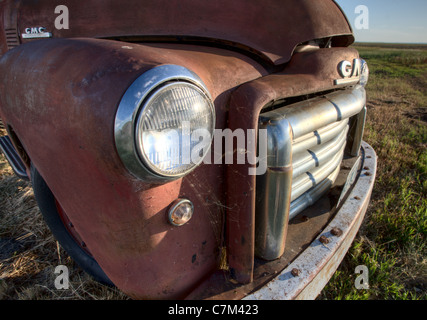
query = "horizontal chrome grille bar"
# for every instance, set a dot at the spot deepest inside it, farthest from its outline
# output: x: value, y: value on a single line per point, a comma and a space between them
x: 12, y: 38
x: 311, y: 178
x: 315, y: 157
x: 312, y: 195
x: 308, y: 116
x: 318, y: 137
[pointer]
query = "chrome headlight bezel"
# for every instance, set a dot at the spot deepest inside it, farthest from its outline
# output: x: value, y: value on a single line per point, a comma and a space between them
x: 131, y: 107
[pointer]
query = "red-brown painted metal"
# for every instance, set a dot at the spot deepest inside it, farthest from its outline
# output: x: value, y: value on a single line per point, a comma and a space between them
x: 9, y: 27
x: 272, y: 28
x: 70, y: 228
x: 3, y: 46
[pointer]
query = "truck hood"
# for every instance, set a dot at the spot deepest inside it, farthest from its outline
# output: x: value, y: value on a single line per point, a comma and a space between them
x: 270, y: 29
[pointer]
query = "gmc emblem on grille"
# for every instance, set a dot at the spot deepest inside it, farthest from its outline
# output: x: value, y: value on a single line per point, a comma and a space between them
x: 36, y: 32
x: 350, y: 72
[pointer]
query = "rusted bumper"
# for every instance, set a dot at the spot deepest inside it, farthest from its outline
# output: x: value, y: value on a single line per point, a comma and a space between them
x: 306, y: 276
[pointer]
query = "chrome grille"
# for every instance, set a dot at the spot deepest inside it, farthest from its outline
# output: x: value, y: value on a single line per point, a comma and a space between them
x: 306, y: 143
x: 12, y: 38
x: 317, y: 163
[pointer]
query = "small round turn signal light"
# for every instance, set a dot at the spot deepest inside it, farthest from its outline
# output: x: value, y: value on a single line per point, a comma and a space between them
x: 180, y: 212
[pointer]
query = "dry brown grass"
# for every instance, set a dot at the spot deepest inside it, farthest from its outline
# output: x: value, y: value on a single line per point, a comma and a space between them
x: 29, y: 253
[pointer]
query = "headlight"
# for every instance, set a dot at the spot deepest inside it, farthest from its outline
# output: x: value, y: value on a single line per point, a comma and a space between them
x: 166, y: 128
x: 164, y: 124
x: 364, y: 73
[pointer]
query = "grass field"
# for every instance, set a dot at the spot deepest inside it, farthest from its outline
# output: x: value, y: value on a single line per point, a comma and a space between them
x: 391, y: 241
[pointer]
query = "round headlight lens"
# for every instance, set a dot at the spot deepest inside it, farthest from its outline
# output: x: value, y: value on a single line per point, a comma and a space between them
x: 174, y: 129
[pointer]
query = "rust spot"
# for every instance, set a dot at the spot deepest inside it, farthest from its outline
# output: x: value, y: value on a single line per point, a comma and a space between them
x: 324, y: 239
x: 367, y: 173
x: 357, y: 198
x: 295, y: 272
x: 336, y: 231
x: 366, y: 168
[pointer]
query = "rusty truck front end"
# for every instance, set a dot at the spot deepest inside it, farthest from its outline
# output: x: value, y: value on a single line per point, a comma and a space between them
x: 129, y: 122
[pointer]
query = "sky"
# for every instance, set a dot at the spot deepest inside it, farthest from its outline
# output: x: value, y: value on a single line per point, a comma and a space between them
x: 394, y: 21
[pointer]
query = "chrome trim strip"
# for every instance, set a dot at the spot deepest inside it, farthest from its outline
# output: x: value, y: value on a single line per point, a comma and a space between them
x: 36, y: 35
x: 347, y: 81
x: 274, y: 189
x: 358, y: 133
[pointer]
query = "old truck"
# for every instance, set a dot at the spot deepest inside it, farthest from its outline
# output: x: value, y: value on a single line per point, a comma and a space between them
x: 190, y: 149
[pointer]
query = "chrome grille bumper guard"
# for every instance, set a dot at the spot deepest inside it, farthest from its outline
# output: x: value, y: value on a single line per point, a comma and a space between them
x: 305, y: 147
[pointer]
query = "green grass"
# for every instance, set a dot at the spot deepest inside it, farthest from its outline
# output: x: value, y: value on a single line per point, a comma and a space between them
x: 392, y: 240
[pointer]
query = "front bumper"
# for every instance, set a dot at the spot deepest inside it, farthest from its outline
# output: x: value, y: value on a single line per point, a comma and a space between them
x: 305, y: 277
